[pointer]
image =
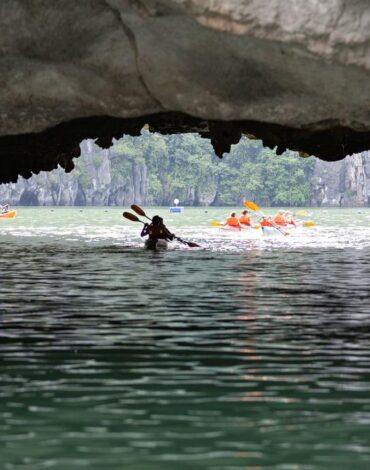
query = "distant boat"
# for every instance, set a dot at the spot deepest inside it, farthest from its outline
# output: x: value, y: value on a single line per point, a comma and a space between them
x: 8, y: 215
x: 177, y: 209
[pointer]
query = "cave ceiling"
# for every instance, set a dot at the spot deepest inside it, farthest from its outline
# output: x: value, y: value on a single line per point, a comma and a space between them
x: 294, y: 73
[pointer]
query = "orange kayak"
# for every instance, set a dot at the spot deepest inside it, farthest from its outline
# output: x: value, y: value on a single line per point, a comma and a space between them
x: 9, y: 215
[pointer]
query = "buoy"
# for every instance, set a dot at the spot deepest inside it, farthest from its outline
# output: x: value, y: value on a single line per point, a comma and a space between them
x: 176, y: 209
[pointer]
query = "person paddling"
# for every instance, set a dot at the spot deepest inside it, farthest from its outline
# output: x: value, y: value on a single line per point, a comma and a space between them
x: 289, y: 218
x: 5, y: 209
x: 245, y: 219
x: 157, y: 230
x: 233, y: 221
x: 266, y: 221
x: 280, y: 218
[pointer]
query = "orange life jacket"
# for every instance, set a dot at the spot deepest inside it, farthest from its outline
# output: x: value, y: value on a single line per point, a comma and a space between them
x: 279, y: 220
x: 233, y: 222
x: 265, y: 223
x: 245, y: 220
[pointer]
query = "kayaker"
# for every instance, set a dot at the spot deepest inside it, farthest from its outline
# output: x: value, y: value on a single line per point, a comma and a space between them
x: 289, y: 218
x: 266, y: 221
x: 280, y: 218
x: 233, y: 221
x: 245, y: 219
x: 5, y: 209
x: 157, y: 230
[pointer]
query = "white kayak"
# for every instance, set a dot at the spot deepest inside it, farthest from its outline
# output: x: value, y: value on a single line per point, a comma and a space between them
x: 159, y: 244
x: 275, y: 232
x: 271, y: 232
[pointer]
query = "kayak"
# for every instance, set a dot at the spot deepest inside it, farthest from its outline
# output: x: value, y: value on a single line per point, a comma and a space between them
x: 230, y: 228
x: 271, y: 232
x: 8, y: 215
x: 247, y: 233
x: 274, y: 232
x: 159, y: 244
x: 237, y: 229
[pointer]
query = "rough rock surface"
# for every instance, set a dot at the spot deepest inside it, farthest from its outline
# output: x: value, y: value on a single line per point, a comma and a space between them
x: 292, y: 72
x: 345, y: 183
x: 96, y: 182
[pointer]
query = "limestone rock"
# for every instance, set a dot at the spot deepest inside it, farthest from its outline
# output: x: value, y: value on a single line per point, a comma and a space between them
x: 292, y: 72
x: 345, y: 183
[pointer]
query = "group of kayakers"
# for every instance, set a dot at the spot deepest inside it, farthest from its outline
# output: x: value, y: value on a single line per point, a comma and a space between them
x: 282, y: 218
x: 157, y: 230
x: 244, y: 220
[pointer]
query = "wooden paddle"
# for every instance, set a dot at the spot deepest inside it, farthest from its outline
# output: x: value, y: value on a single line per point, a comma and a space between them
x: 254, y: 207
x: 132, y: 217
x: 140, y: 211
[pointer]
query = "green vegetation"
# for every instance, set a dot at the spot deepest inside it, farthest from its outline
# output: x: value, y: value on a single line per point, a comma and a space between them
x: 185, y: 166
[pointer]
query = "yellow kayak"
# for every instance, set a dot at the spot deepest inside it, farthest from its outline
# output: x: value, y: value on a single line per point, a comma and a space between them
x: 9, y: 215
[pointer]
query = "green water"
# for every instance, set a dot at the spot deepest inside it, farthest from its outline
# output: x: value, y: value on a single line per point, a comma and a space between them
x: 249, y: 353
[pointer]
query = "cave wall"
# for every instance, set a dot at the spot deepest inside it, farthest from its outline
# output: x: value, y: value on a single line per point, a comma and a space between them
x: 294, y: 73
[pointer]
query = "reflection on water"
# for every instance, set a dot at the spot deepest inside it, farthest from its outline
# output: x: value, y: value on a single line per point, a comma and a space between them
x: 113, y: 357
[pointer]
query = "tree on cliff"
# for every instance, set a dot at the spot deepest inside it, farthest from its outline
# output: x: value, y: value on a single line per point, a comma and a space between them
x: 153, y: 169
x: 185, y: 166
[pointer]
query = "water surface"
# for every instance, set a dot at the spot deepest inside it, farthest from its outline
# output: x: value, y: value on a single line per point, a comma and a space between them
x: 249, y: 353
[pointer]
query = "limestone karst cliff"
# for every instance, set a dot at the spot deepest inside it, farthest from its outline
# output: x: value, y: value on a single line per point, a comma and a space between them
x: 345, y: 183
x: 92, y: 183
x: 125, y: 174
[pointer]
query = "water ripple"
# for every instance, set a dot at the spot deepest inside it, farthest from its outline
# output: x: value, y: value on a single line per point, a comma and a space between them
x: 251, y: 356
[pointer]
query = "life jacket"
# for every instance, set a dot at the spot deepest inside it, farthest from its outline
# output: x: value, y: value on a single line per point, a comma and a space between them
x: 245, y: 220
x: 233, y: 222
x: 280, y: 220
x: 265, y: 223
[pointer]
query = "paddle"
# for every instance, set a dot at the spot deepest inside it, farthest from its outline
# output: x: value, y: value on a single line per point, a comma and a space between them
x: 132, y: 217
x: 140, y: 211
x: 301, y: 212
x: 254, y: 207
x: 214, y: 223
x: 308, y: 223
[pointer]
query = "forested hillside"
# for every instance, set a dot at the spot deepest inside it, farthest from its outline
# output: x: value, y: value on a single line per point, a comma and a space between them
x: 153, y: 169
